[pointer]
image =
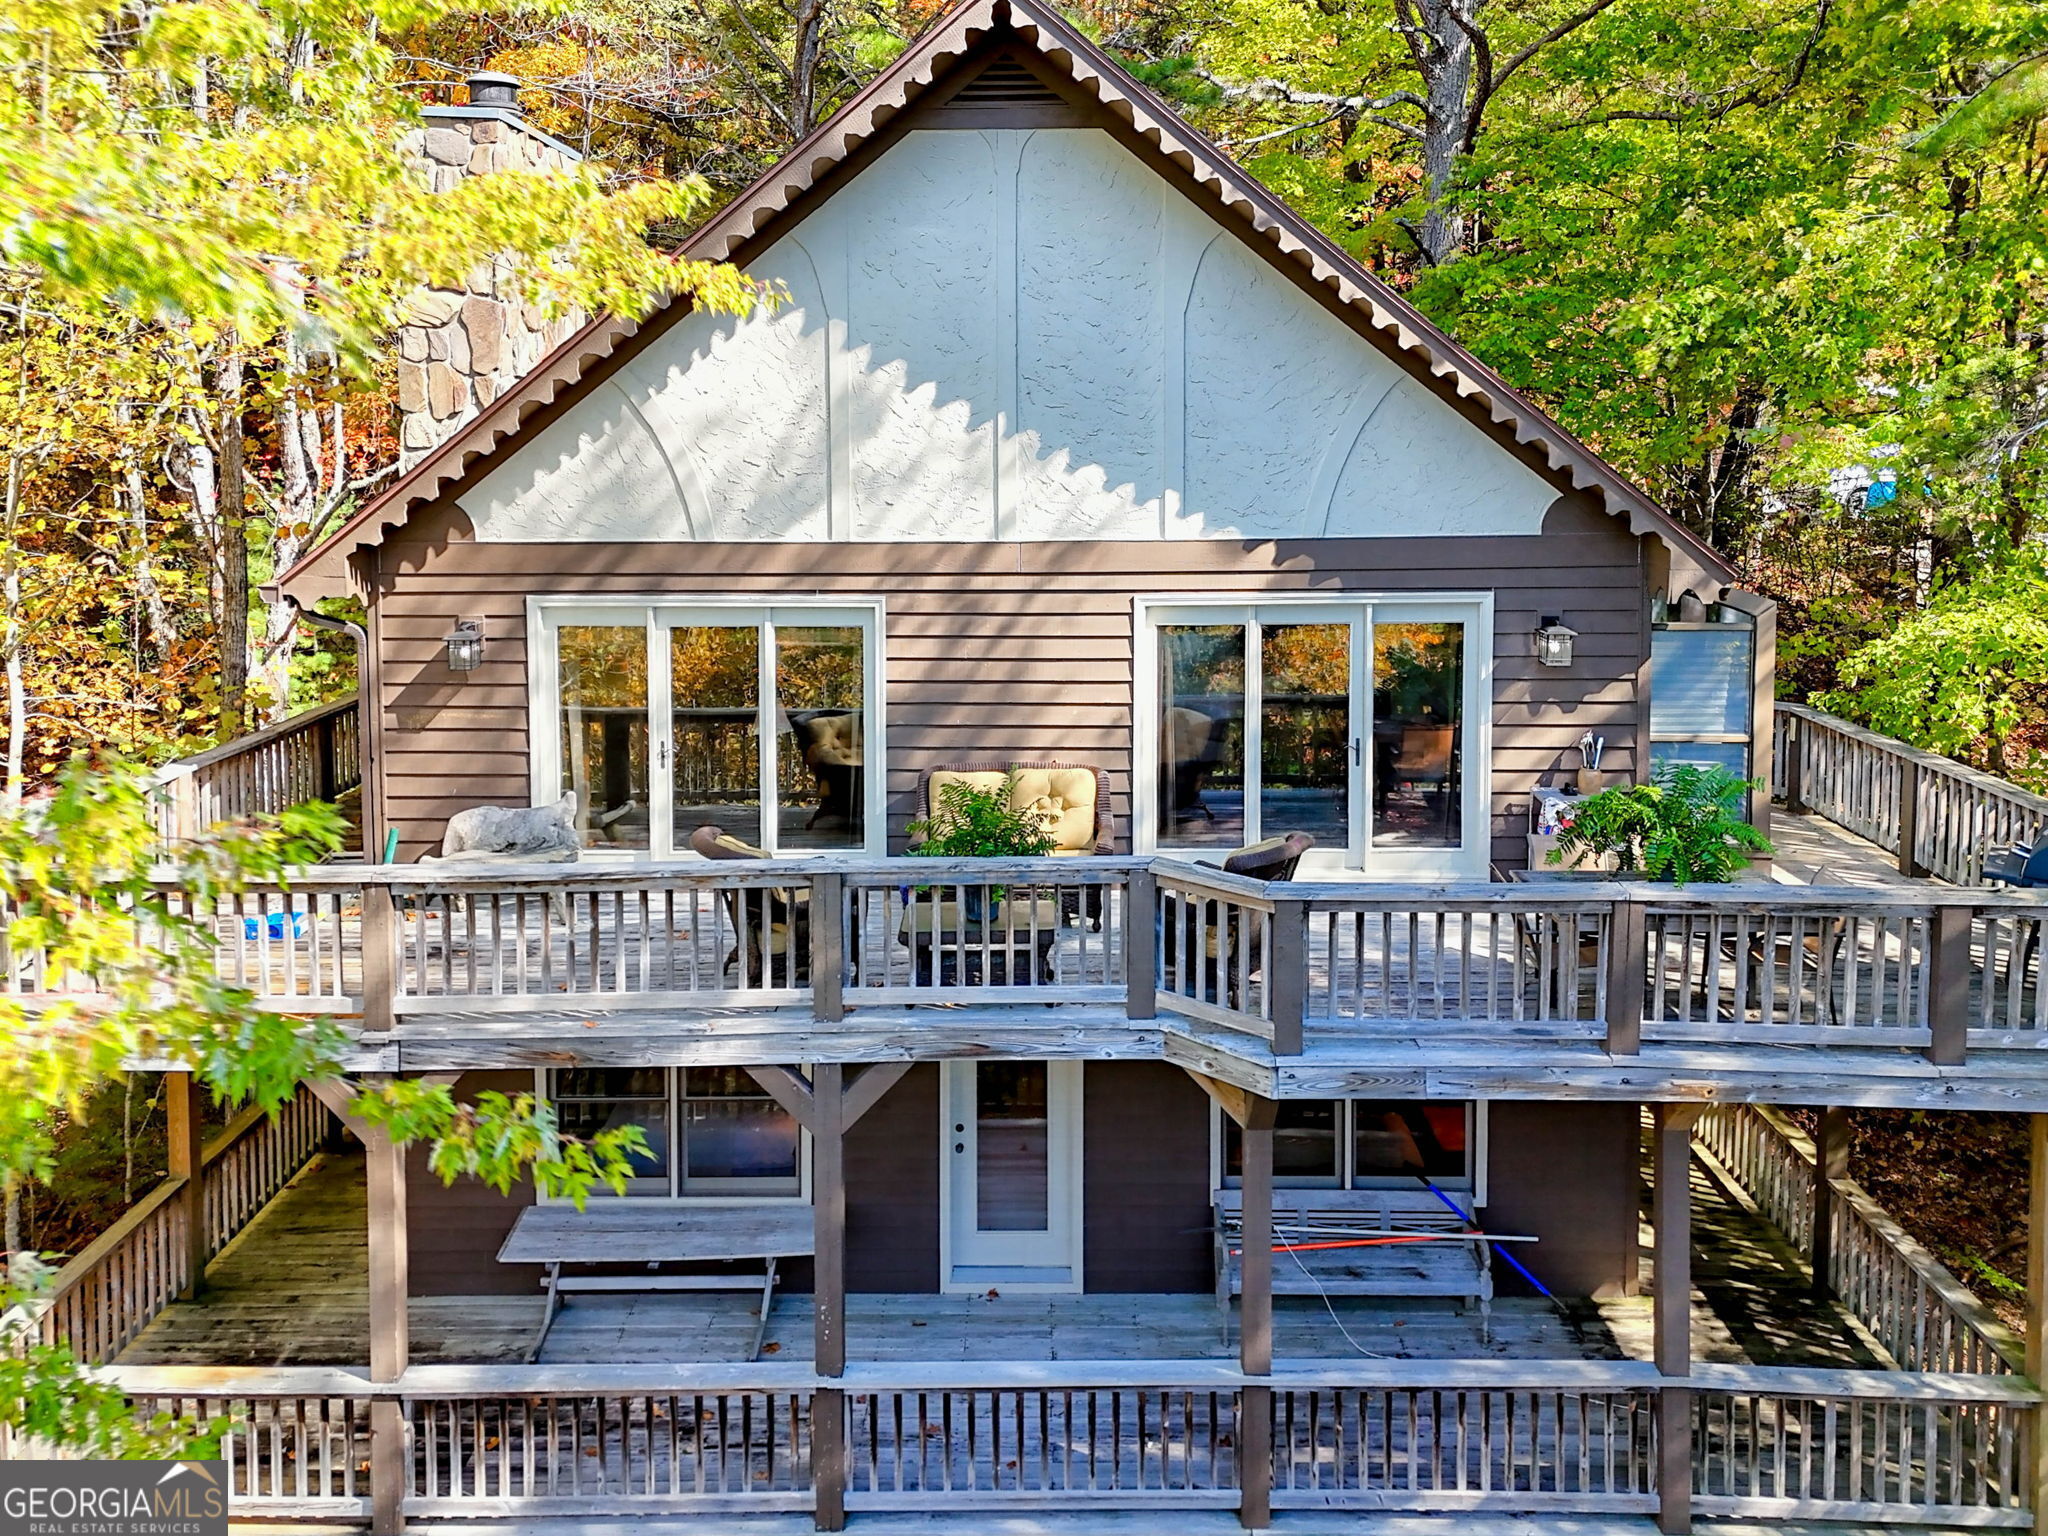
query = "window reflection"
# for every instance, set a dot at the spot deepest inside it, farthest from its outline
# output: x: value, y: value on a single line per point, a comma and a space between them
x: 714, y: 691
x: 1201, y: 734
x: 1418, y: 690
x: 1305, y: 731
x: 821, y: 762
x: 603, y: 717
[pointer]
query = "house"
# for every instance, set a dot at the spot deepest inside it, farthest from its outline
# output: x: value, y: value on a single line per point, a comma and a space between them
x: 1069, y: 446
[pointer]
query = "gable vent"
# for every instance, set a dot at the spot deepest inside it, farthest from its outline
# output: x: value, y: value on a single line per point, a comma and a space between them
x: 1006, y: 84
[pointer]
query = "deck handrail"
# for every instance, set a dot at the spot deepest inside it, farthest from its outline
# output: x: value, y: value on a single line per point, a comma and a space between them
x: 1914, y: 1306
x: 1562, y: 1437
x: 1936, y: 816
x: 313, y: 755
x: 1938, y: 970
x: 117, y: 1284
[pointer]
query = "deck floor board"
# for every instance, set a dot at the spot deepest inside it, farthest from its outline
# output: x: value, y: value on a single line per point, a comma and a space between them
x: 292, y: 1290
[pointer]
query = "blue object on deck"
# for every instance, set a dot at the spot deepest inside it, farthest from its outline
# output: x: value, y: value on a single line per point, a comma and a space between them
x: 1466, y: 1216
x: 275, y: 925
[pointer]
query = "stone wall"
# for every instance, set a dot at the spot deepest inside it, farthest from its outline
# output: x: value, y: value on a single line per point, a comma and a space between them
x: 461, y: 349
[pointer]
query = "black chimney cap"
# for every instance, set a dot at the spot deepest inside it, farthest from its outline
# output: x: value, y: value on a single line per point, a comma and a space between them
x: 490, y: 89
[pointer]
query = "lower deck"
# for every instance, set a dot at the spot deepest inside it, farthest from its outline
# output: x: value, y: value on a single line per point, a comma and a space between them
x: 291, y: 1290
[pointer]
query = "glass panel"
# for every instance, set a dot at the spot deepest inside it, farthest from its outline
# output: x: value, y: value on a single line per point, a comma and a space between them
x: 1700, y: 682
x: 715, y: 690
x: 1201, y: 735
x: 589, y: 1100
x: 1395, y: 1141
x: 1732, y: 755
x: 1013, y: 1147
x: 731, y: 1140
x: 721, y: 1083
x: 1418, y: 692
x: 820, y: 768
x: 1305, y: 732
x: 1304, y: 1145
x: 604, y: 730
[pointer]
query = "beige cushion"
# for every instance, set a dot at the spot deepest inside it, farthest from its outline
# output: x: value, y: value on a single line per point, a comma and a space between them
x: 1063, y: 799
x: 836, y: 741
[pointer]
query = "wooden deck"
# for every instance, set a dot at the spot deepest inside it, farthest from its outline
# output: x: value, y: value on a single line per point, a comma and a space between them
x: 291, y: 1290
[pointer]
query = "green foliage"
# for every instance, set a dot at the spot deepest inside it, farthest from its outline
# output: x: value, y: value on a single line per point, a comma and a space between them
x: 976, y: 822
x: 1963, y: 675
x: 1684, y: 826
x: 126, y: 932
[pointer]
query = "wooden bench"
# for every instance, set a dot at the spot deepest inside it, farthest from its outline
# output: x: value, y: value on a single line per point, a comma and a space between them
x: 1452, y: 1265
x: 616, y: 1231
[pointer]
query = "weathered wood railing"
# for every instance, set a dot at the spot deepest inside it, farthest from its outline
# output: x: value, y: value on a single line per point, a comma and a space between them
x: 1925, y: 1317
x: 1563, y: 1438
x: 317, y: 754
x: 1938, y: 971
x: 1936, y: 816
x: 104, y: 1297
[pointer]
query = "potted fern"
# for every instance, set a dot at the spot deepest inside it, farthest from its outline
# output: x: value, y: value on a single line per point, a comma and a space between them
x: 1684, y: 826
x: 973, y: 821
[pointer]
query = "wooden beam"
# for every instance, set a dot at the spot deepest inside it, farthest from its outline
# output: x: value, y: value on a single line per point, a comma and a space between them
x: 1255, y: 1318
x: 188, y: 1162
x: 789, y: 1088
x: 1241, y: 1104
x: 1671, y: 1309
x: 868, y: 1089
x: 828, y: 1286
x: 1626, y: 963
x: 1831, y: 1153
x: 1948, y: 985
x: 2037, y: 1312
x: 390, y: 1455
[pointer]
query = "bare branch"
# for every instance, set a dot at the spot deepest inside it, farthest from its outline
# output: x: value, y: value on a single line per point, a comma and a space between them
x: 1280, y: 91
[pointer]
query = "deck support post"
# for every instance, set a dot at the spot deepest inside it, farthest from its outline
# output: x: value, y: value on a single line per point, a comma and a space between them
x: 1141, y: 946
x: 1287, y: 975
x: 2037, y: 1315
x: 380, y: 957
x: 1831, y: 1163
x: 1627, y: 962
x: 1909, y: 819
x: 827, y: 1106
x: 1671, y: 1310
x: 188, y: 1162
x: 390, y: 1333
x: 390, y: 1330
x: 1948, y: 985
x: 1255, y: 1328
x: 1795, y: 769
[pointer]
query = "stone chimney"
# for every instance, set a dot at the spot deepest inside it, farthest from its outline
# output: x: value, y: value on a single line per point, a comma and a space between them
x: 458, y: 350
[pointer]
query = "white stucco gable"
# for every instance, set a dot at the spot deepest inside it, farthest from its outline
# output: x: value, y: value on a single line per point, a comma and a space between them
x: 1010, y: 334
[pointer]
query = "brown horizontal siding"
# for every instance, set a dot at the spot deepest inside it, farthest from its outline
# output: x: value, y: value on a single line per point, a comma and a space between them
x: 997, y: 650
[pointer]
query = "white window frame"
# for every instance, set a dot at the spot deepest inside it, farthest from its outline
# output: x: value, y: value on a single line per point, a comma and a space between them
x: 1471, y: 860
x: 1476, y: 1131
x: 545, y: 616
x: 543, y: 1085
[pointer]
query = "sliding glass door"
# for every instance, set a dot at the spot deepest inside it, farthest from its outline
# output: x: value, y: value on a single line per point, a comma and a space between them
x: 663, y: 718
x: 1360, y: 723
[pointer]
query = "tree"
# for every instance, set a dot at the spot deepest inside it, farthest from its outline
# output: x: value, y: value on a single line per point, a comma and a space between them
x: 127, y: 972
x: 1964, y: 676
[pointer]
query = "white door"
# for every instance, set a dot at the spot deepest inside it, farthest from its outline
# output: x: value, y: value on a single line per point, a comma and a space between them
x: 1011, y: 1175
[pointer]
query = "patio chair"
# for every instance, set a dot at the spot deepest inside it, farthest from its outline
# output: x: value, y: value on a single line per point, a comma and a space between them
x: 2024, y: 869
x: 775, y: 925
x: 1273, y: 858
x: 830, y: 744
x: 1067, y: 798
x: 1190, y: 747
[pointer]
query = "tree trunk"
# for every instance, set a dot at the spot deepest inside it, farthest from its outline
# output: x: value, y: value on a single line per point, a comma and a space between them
x: 1447, y: 77
x: 803, y: 73
x: 234, y: 549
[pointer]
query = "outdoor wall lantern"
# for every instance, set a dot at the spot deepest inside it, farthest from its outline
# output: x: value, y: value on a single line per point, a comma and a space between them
x: 466, y: 645
x: 1554, y: 642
